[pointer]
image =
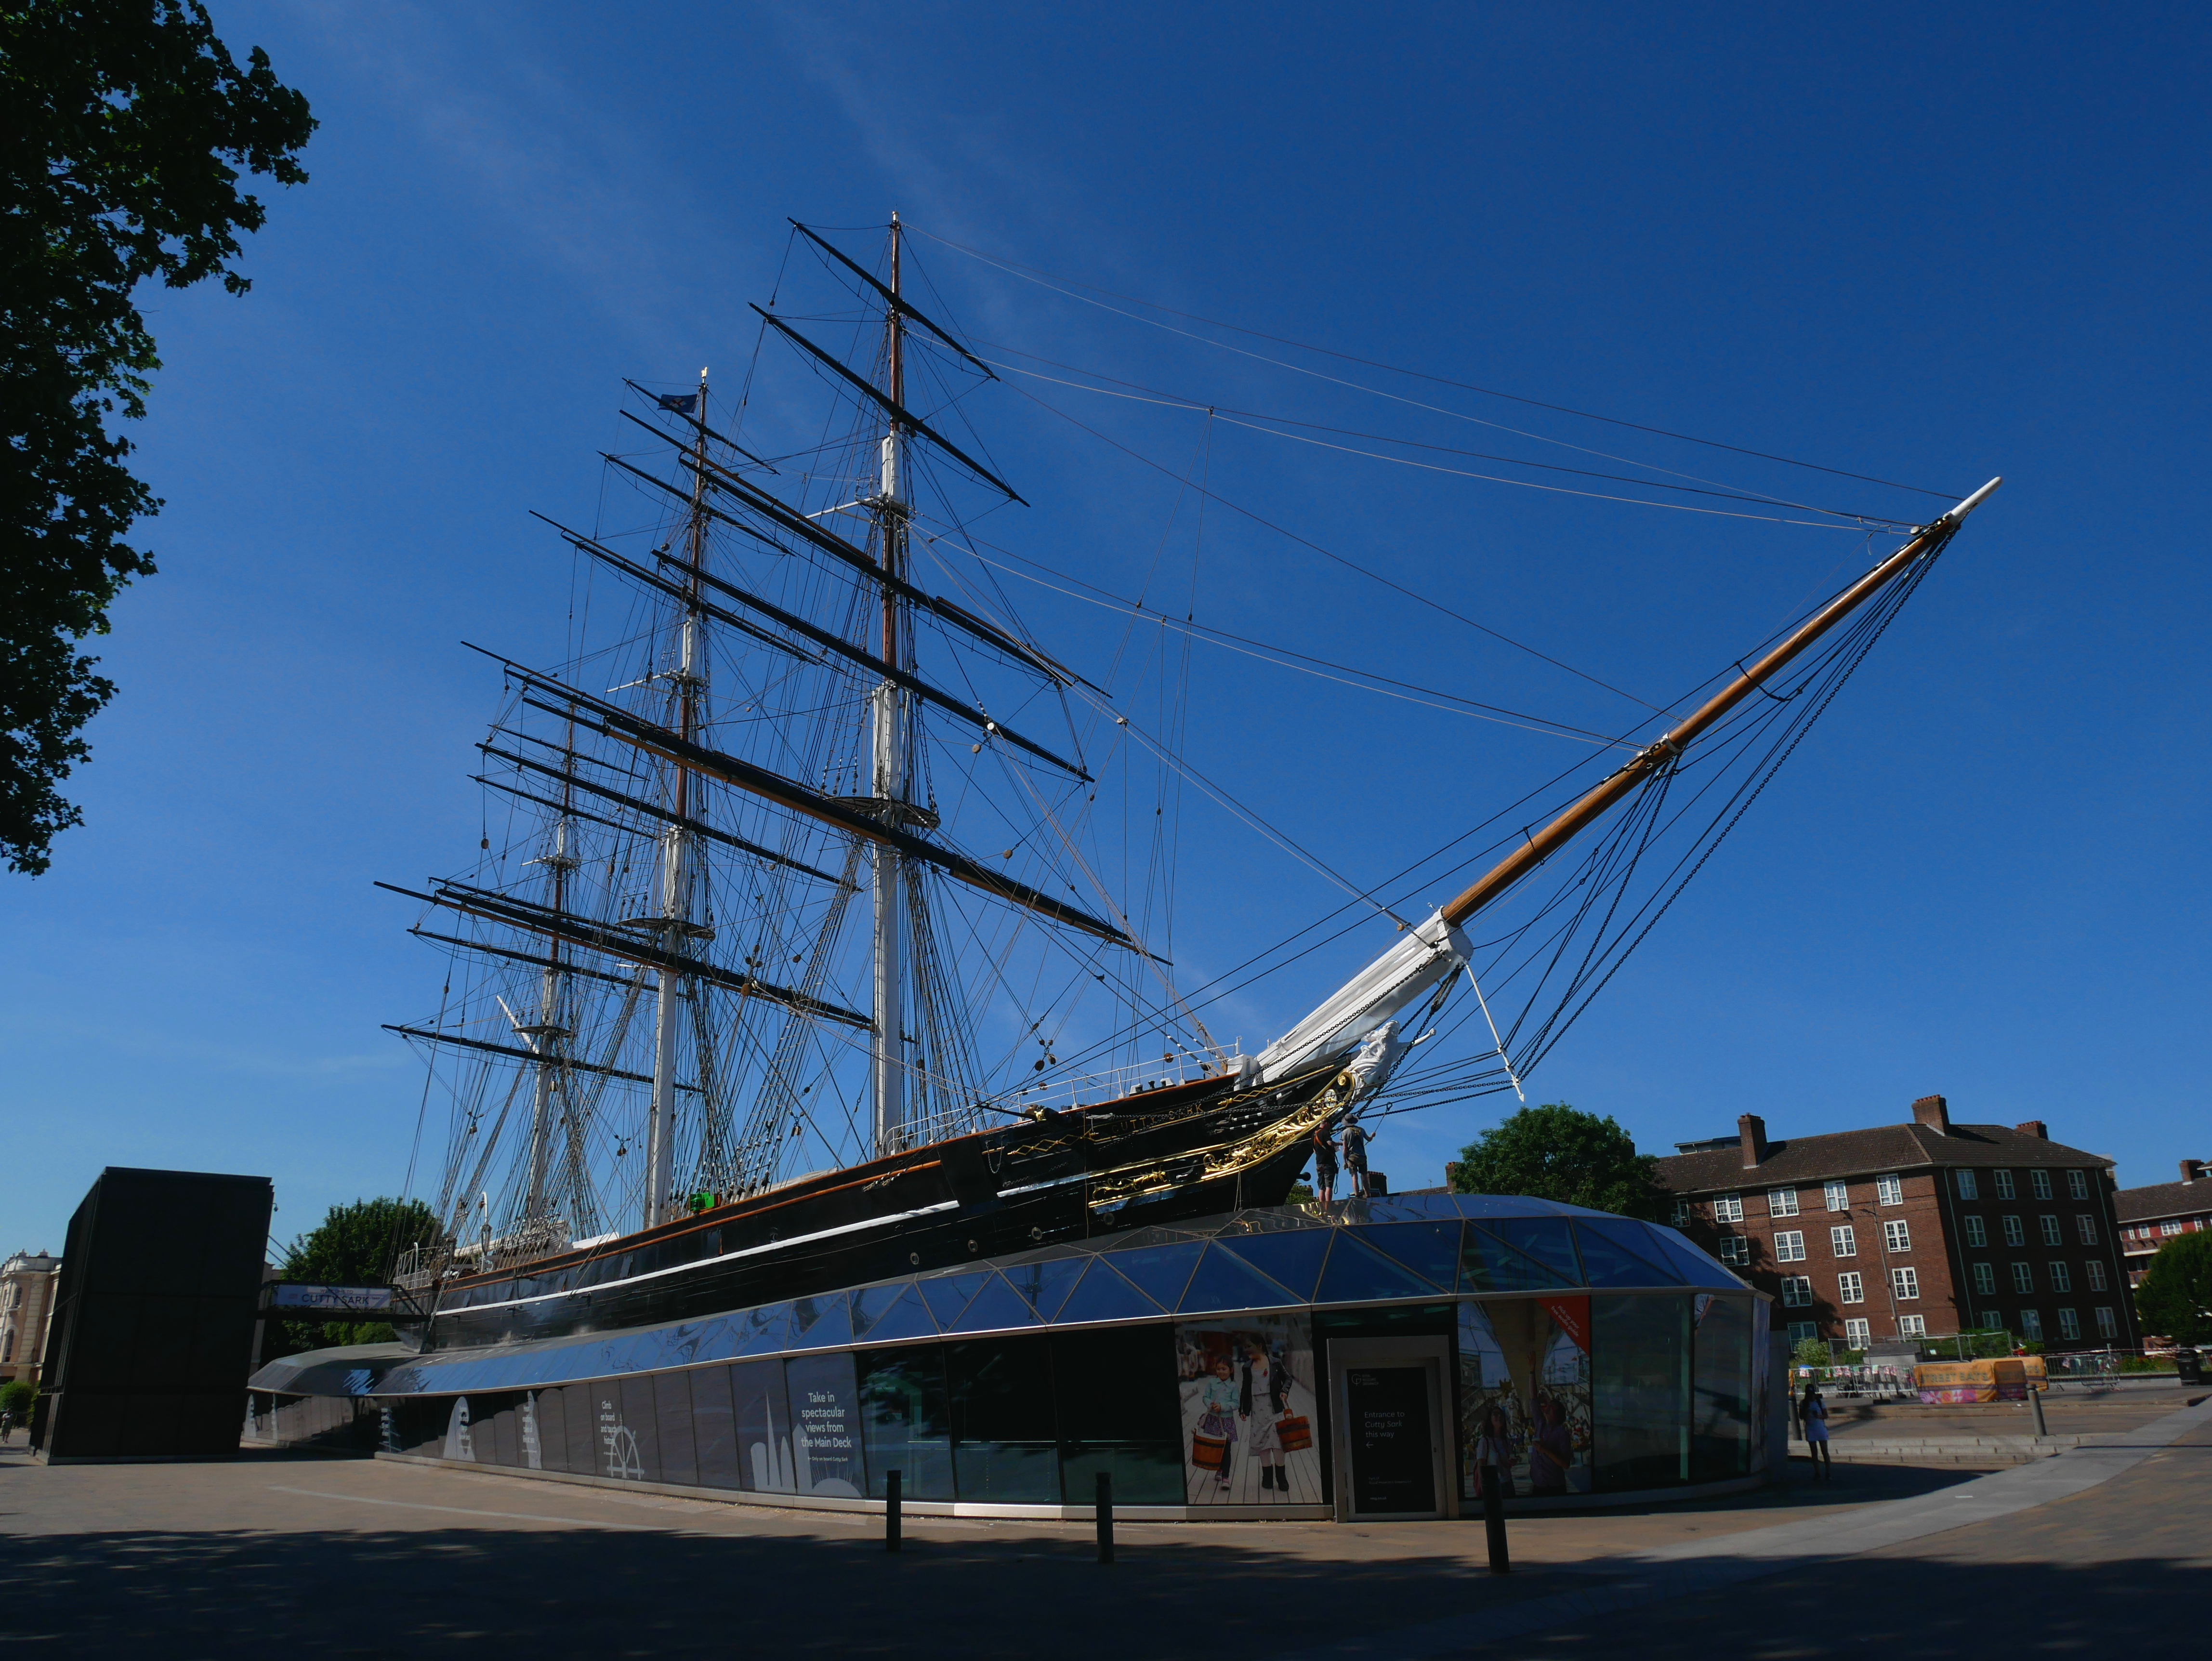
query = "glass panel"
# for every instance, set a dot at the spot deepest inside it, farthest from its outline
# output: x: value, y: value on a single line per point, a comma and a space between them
x: 1103, y: 1295
x: 1488, y: 1264
x: 627, y: 1437
x: 1138, y: 1239
x: 1226, y: 1282
x: 1293, y: 1257
x: 714, y: 1428
x: 1357, y: 1272
x: 819, y: 1322
x: 1489, y: 1206
x: 903, y: 1423
x: 1117, y: 1413
x: 1430, y: 1249
x: 1524, y: 1382
x: 903, y: 1317
x: 1695, y: 1267
x: 1161, y: 1271
x: 1641, y: 1391
x: 762, y: 1411
x: 1046, y: 1285
x: 1006, y: 1445
x: 825, y: 1417
x: 671, y: 1413
x: 552, y: 1432
x: 996, y: 1306
x: 760, y: 1329
x: 870, y: 1304
x: 1613, y: 1256
x: 1549, y: 1240
x: 1720, y: 1403
x: 948, y: 1294
x: 1245, y: 1385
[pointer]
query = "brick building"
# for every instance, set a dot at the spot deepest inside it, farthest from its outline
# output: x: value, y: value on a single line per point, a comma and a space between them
x: 1912, y: 1230
x: 2149, y: 1217
x: 26, y: 1305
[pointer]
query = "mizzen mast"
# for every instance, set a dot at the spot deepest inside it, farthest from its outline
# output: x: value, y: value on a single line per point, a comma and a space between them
x: 889, y: 750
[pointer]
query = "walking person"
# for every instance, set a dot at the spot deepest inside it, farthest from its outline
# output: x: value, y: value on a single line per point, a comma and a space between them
x: 1356, y: 1138
x: 1324, y: 1158
x: 1494, y: 1451
x: 1813, y: 1413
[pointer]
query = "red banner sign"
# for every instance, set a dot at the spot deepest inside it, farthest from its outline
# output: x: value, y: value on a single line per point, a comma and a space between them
x: 1573, y: 1317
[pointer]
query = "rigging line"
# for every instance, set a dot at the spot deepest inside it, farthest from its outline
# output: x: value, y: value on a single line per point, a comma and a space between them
x: 1032, y: 275
x: 1174, y: 402
x: 1350, y: 565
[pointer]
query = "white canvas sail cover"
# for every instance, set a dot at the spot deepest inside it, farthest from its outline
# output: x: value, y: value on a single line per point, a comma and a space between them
x: 1408, y: 970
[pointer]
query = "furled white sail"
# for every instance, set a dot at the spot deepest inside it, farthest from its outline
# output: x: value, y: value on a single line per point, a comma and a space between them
x: 1379, y: 993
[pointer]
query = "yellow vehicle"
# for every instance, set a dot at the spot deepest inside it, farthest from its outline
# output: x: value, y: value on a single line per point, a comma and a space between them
x: 2003, y: 1378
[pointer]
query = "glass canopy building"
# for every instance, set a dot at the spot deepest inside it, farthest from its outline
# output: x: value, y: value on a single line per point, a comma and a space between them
x: 1368, y: 1359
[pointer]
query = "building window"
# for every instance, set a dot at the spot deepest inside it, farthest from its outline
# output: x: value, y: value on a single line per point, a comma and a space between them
x: 1838, y: 1196
x: 2069, y: 1324
x: 2004, y: 1180
x: 2048, y: 1224
x: 1800, y: 1330
x: 1681, y: 1214
x: 2039, y: 1183
x: 2062, y: 1278
x: 2077, y: 1184
x: 1976, y: 1234
x: 2086, y: 1226
x: 1735, y: 1250
x: 2171, y: 1226
x: 1782, y: 1203
x: 1889, y: 1190
x: 1986, y: 1279
x: 1789, y: 1245
x: 1797, y: 1292
x: 1992, y: 1322
x: 2107, y: 1327
x: 1850, y: 1288
x: 1857, y: 1333
x: 1904, y: 1282
x: 1844, y: 1241
x: 1728, y: 1208
x: 1897, y: 1236
x: 2013, y: 1233
x: 1968, y: 1189
x: 1912, y: 1326
x: 2031, y: 1324
x: 2093, y: 1273
x: 2023, y: 1277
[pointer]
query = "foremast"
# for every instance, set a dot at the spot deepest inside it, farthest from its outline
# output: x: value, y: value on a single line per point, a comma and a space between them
x: 889, y: 751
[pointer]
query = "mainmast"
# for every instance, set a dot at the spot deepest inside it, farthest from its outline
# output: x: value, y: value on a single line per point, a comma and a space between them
x: 889, y: 752
x: 677, y: 928
x: 547, y: 1036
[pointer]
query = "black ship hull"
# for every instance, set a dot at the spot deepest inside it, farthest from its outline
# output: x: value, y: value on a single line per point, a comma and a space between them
x: 1182, y: 1151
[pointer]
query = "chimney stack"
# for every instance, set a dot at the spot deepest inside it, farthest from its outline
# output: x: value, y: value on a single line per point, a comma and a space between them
x: 1752, y: 1130
x: 2192, y: 1171
x: 2035, y: 1129
x: 1934, y: 1112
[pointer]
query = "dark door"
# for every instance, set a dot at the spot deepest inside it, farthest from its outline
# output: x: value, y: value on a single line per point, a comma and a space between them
x: 1391, y: 1440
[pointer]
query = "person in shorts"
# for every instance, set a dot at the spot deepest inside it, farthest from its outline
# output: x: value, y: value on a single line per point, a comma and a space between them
x: 1356, y: 1138
x: 1324, y: 1158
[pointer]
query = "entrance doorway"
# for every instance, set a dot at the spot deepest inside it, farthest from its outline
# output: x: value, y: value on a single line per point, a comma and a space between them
x: 1393, y: 1428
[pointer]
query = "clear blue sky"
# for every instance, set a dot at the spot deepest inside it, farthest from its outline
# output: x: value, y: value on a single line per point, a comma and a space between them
x: 1929, y: 245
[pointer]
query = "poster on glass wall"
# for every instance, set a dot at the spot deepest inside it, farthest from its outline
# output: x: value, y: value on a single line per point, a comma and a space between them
x: 1247, y: 1387
x: 1524, y: 1387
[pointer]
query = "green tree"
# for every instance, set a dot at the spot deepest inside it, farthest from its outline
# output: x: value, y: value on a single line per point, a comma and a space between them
x: 1556, y: 1152
x: 2175, y: 1298
x: 353, y: 1245
x: 1812, y: 1353
x: 123, y: 126
x: 18, y: 1396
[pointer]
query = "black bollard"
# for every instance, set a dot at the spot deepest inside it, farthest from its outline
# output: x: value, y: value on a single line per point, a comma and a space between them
x: 1105, y: 1516
x: 892, y: 1483
x: 1493, y: 1519
x: 2035, y: 1401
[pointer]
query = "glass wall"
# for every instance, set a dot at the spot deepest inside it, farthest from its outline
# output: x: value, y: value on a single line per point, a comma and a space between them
x: 1720, y: 1390
x: 1640, y: 1391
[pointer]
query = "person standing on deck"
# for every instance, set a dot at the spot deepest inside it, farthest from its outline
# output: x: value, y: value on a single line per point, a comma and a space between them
x: 1356, y: 1138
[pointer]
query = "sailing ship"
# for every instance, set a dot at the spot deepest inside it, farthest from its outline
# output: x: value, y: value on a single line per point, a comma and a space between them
x: 736, y: 1012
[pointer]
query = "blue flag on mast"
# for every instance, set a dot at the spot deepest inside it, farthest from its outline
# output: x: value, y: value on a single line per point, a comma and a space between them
x: 682, y: 403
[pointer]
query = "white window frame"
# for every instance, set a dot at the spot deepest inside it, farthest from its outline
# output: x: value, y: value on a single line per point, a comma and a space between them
x: 1912, y: 1326
x: 1889, y: 1190
x: 2031, y: 1324
x: 2039, y: 1183
x: 2015, y: 1231
x: 1842, y: 1241
x: 1836, y: 1194
x: 2003, y: 1182
x: 1992, y: 1321
x: 2085, y: 1225
x: 1896, y: 1235
x: 2062, y: 1275
x: 2046, y: 1223
x: 1986, y: 1280
x: 1904, y: 1283
x: 1800, y: 1330
x: 1797, y: 1292
x: 1728, y: 1208
x: 1681, y: 1217
x: 1789, y: 1245
x: 2108, y: 1324
x: 1782, y: 1203
x: 2171, y: 1226
x: 2069, y: 1324
x: 1851, y: 1288
x: 1735, y: 1250
x: 2023, y: 1277
x: 2077, y: 1184
x: 1968, y: 1187
x: 2093, y: 1275
x: 1976, y: 1235
x: 1858, y: 1332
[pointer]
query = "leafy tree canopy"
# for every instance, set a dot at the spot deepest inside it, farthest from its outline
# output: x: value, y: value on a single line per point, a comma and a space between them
x: 2175, y: 1298
x: 122, y: 127
x: 354, y: 1246
x: 18, y: 1396
x: 1556, y: 1152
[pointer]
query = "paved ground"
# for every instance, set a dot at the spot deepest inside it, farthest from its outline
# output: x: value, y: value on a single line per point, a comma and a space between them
x: 323, y: 1556
x: 2069, y: 1410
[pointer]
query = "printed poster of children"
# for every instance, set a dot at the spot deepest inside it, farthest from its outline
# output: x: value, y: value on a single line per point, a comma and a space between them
x: 1247, y: 1384
x: 1524, y: 1388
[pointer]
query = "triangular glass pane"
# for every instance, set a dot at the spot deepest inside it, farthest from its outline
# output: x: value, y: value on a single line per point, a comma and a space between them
x: 1141, y: 1239
x: 762, y: 1330
x: 1430, y: 1249
x: 1486, y: 1263
x: 1695, y: 1267
x: 948, y: 1294
x: 1294, y: 1256
x: 1225, y: 1280
x: 1162, y: 1272
x: 1613, y: 1256
x: 1411, y: 1208
x: 1549, y: 1240
x: 872, y: 1304
x: 1357, y: 1272
x: 819, y: 1322
x: 997, y: 1305
x: 1046, y: 1285
x: 1103, y: 1295
x: 905, y: 1317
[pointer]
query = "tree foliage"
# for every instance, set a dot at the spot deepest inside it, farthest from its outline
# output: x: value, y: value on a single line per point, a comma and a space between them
x: 18, y: 1396
x: 353, y: 1245
x: 1556, y: 1152
x: 2175, y: 1298
x: 122, y: 127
